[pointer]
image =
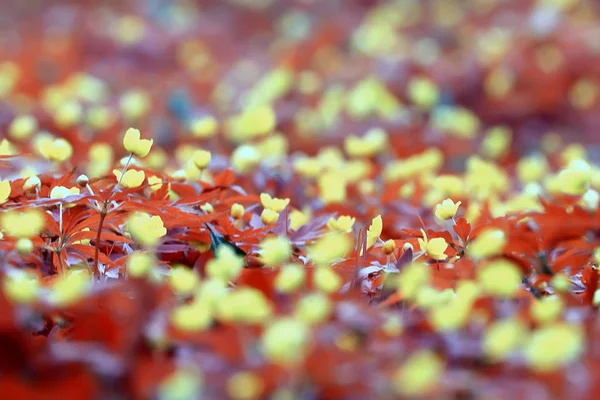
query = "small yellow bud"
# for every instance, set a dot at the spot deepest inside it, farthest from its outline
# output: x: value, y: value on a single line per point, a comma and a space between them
x: 237, y: 211
x: 269, y: 216
x: 83, y: 180
x: 389, y: 247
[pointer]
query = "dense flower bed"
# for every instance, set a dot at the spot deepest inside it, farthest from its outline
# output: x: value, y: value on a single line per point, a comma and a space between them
x: 302, y: 199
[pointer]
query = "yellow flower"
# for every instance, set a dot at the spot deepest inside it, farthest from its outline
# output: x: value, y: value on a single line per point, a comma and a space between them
x: 21, y: 287
x: 70, y: 288
x: 327, y: 280
x: 554, y: 346
x: 329, y: 248
x: 201, y: 158
x: 205, y: 127
x: 389, y: 247
x: 131, y: 179
x: 503, y: 337
x: 100, y: 159
x: 575, y: 179
x: 4, y: 191
x: 245, y: 386
x: 60, y: 192
x: 373, y: 142
x: 245, y: 305
x: 374, y: 231
x: 419, y: 374
x: 146, y: 229
x: 155, y: 182
x: 285, y: 341
x: 496, y: 142
x: 342, y: 224
x: 547, y: 309
x: 139, y: 264
x: 134, y: 104
x: 274, y: 204
x: 434, y: 248
x: 297, y: 219
x: 560, y: 282
x: 251, y: 123
x: 269, y: 216
x: 193, y: 316
x: 412, y: 278
x: 226, y: 265
x: 68, y: 114
x: 207, y: 208
x: 275, y: 250
x: 181, y: 384
x: 487, y: 244
x: 447, y: 209
x: 6, y: 148
x: 289, y: 278
x: 244, y: 158
x: 313, y: 308
x: 531, y: 168
x: 423, y: 93
x: 58, y: 150
x: 183, y: 280
x: 332, y: 187
x: 500, y: 278
x: 22, y: 127
x: 23, y: 224
x: 135, y: 145
x: 237, y: 211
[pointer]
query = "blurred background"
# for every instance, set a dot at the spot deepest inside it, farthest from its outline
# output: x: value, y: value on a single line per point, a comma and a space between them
x: 421, y: 69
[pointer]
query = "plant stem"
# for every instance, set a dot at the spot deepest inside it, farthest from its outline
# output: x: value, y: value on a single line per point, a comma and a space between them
x: 98, y: 234
x: 123, y: 172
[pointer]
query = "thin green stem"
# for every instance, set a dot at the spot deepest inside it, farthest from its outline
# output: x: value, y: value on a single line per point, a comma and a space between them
x: 123, y: 172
